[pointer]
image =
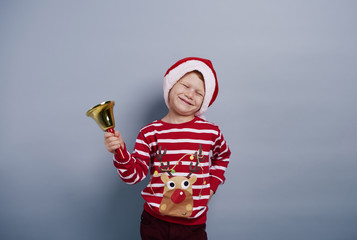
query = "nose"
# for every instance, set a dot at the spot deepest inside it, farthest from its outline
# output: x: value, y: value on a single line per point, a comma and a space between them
x: 178, y: 196
x: 189, y: 93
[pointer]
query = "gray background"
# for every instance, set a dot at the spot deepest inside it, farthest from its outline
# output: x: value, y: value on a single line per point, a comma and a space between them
x: 287, y: 106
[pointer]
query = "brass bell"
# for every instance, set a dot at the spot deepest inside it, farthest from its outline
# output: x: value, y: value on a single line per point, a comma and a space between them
x: 102, y: 114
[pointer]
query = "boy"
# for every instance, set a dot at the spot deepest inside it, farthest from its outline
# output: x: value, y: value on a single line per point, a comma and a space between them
x: 187, y: 156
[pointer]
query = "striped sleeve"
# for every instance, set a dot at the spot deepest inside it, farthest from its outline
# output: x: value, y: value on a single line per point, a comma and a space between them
x: 219, y: 162
x: 135, y: 166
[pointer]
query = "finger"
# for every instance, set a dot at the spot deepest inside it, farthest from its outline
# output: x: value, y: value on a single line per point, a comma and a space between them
x: 108, y: 135
x: 113, y: 141
x: 112, y: 147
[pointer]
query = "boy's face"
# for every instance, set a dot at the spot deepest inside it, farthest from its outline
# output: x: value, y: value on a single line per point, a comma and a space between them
x: 186, y: 96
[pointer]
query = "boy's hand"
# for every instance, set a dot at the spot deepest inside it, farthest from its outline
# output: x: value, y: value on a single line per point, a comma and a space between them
x: 113, y: 141
x: 211, y: 194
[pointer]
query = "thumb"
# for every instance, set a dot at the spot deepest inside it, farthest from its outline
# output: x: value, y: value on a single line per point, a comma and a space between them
x: 117, y: 134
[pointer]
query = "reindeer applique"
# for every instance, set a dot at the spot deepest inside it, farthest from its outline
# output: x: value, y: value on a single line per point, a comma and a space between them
x: 177, y: 198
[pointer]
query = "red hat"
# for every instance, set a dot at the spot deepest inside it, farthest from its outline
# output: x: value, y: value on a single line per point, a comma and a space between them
x: 186, y: 65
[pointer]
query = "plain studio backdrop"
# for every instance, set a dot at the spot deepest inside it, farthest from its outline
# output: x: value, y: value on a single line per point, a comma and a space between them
x: 287, y: 73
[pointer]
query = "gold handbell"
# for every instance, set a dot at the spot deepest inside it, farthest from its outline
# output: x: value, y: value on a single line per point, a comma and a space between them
x: 103, y: 115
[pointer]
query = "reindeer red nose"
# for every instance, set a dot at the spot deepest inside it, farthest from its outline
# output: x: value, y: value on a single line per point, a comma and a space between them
x: 178, y: 196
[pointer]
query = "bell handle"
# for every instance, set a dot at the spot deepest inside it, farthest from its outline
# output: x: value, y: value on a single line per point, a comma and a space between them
x: 118, y: 151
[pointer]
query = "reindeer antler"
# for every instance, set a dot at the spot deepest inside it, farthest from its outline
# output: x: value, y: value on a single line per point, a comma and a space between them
x: 198, y: 157
x: 162, y: 166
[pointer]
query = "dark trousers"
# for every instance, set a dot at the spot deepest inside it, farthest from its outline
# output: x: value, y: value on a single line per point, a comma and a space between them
x: 152, y: 228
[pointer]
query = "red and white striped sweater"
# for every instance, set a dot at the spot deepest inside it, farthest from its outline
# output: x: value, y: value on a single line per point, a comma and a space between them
x: 185, y: 161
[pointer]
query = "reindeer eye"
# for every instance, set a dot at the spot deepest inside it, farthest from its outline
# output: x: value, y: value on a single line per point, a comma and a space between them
x: 171, y: 184
x: 185, y: 184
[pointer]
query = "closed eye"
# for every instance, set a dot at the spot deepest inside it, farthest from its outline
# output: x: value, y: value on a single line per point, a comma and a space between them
x: 199, y: 93
x: 185, y: 85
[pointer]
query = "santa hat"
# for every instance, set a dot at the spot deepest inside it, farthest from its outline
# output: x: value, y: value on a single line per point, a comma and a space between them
x: 186, y: 65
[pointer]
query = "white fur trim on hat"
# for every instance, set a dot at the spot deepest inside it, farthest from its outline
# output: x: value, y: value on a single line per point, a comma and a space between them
x: 178, y: 72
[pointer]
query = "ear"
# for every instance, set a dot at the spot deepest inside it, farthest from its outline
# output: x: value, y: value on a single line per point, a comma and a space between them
x: 164, y: 178
x: 192, y: 179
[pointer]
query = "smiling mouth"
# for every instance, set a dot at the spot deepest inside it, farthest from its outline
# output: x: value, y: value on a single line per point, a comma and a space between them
x: 187, y: 102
